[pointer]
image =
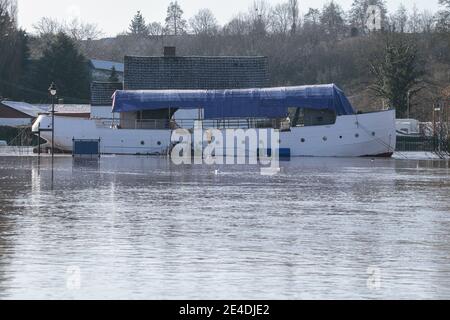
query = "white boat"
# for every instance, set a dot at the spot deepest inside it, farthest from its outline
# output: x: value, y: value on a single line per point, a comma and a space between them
x: 324, y: 126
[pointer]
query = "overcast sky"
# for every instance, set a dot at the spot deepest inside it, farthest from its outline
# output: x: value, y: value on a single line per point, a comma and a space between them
x: 113, y: 16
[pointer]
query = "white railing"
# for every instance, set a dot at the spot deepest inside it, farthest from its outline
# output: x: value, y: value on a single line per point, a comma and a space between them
x: 161, y: 124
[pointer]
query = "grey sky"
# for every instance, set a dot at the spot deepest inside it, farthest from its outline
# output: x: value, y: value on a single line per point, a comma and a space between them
x: 114, y: 16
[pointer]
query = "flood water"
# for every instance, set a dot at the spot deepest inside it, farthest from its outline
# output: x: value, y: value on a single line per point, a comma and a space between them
x: 143, y: 228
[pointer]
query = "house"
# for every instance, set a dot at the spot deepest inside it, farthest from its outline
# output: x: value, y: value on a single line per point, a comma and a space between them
x: 22, y: 114
x: 195, y: 72
x: 18, y: 114
x: 101, y: 69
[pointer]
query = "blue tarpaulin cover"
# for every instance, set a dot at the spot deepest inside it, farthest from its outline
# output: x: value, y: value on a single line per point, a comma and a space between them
x: 239, y: 103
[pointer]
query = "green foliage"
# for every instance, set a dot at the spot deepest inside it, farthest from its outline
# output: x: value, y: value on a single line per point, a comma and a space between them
x: 397, y: 72
x: 138, y: 26
x: 13, y: 54
x: 113, y: 77
x: 64, y: 65
x: 332, y: 20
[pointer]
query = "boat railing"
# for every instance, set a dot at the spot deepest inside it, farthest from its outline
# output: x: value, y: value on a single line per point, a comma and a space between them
x: 161, y: 124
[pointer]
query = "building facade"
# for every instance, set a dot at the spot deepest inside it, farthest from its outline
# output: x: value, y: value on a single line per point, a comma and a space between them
x: 173, y: 72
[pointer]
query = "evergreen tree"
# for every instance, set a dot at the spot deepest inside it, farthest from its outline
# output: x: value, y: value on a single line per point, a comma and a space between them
x: 175, y: 24
x: 443, y: 16
x: 62, y: 64
x: 397, y: 72
x: 138, y: 26
x: 113, y: 77
x: 13, y: 52
x: 332, y: 20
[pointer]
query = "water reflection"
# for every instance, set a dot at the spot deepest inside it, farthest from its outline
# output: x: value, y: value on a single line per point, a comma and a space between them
x: 140, y: 227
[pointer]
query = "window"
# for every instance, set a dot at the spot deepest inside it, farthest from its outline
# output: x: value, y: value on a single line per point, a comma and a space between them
x: 304, y: 117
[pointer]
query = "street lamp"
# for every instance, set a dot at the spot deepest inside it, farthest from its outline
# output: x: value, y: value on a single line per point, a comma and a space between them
x: 52, y: 91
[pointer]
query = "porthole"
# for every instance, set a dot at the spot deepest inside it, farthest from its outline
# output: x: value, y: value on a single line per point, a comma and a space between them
x: 159, y: 143
x: 303, y: 140
x: 325, y: 138
x: 142, y: 143
x: 340, y: 137
x: 357, y: 135
x: 374, y: 134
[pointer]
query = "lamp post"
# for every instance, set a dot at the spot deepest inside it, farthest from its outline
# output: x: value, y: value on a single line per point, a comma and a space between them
x: 408, y: 101
x: 52, y: 91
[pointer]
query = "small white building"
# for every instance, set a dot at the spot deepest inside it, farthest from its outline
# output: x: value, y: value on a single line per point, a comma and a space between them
x: 408, y: 126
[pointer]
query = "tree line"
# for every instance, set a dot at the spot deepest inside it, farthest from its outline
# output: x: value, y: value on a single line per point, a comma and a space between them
x: 285, y: 19
x: 405, y: 63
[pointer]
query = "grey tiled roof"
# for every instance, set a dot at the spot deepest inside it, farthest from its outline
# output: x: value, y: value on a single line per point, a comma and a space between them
x: 101, y: 92
x: 152, y: 73
x: 67, y: 108
x: 26, y: 108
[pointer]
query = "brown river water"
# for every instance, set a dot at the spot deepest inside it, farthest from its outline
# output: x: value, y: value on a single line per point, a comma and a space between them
x: 144, y: 228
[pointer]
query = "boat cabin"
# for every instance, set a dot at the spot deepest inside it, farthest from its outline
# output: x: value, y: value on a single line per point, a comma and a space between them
x: 278, y: 108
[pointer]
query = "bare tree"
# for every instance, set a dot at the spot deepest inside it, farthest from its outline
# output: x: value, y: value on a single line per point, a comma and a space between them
x: 281, y: 19
x: 399, y: 20
x: 10, y: 6
x: 156, y: 29
x: 80, y: 30
x: 175, y: 23
x: 294, y: 15
x: 47, y: 26
x: 76, y: 29
x: 312, y: 17
x: 443, y: 16
x: 427, y: 21
x: 259, y: 15
x: 204, y: 23
x: 238, y: 26
x: 414, y: 20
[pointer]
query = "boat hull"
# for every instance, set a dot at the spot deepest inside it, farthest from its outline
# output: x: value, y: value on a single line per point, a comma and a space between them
x: 372, y: 134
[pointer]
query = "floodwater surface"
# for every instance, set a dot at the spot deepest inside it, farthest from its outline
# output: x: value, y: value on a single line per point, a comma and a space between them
x: 144, y: 228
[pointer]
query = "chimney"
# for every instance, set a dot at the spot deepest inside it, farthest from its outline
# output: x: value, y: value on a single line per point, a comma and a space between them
x: 170, y: 51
